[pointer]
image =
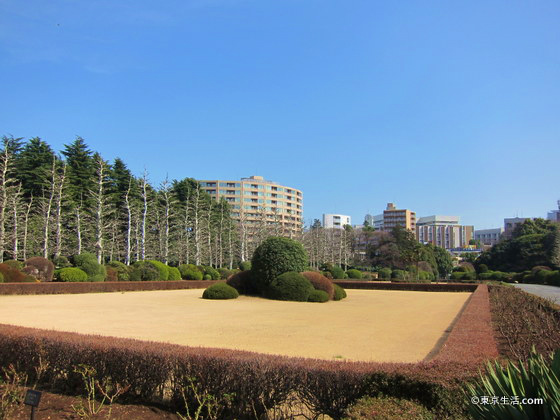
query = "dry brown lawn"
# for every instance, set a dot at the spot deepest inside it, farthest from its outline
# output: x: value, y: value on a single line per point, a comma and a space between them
x: 370, y: 325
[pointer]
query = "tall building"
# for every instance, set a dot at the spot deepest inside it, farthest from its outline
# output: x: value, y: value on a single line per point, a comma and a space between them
x: 255, y: 198
x: 443, y: 231
x: 398, y: 217
x: 554, y: 215
x: 510, y: 223
x: 375, y: 221
x: 489, y: 236
x: 336, y: 221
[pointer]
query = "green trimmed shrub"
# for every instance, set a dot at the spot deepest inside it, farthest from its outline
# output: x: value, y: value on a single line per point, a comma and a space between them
x: 144, y: 271
x: 354, y: 274
x: 243, y: 282
x: 162, y: 269
x: 337, y: 272
x: 318, y: 296
x: 276, y: 256
x: 487, y: 275
x: 1, y: 278
x: 425, y: 276
x: 174, y: 273
x: 122, y: 270
x: 339, y: 292
x: 245, y: 265
x: 192, y: 275
x: 71, y: 274
x: 220, y: 291
x: 482, y: 268
x: 385, y: 273
x: 207, y: 277
x: 400, y: 275
x: 185, y: 269
x: 538, y: 378
x: 15, y: 264
x: 387, y: 408
x: 290, y: 286
x: 88, y: 263
x: 320, y: 282
x: 61, y: 262
x: 40, y: 268
x: 212, y: 272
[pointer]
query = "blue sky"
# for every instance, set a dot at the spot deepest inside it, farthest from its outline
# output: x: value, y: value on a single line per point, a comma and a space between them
x: 443, y: 107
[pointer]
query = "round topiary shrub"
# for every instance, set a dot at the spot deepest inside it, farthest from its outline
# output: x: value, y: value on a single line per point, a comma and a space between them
x: 337, y: 272
x: 385, y: 273
x: 354, y: 274
x: 144, y: 271
x: 320, y: 282
x: 71, y: 274
x: 290, y: 286
x: 318, y: 296
x: 457, y: 275
x: 243, y: 282
x: 339, y: 292
x: 162, y: 269
x: 483, y: 268
x: 174, y: 273
x: 122, y: 271
x: 192, y: 275
x: 245, y: 265
x: 220, y: 291
x: 18, y: 265
x: 212, y: 272
x: 187, y: 269
x: 207, y: 277
x: 88, y: 263
x: 40, y: 268
x: 61, y: 262
x: 276, y: 256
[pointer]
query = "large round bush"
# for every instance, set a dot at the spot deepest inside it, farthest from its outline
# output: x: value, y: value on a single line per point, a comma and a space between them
x: 40, y: 268
x: 243, y: 282
x: 220, y: 291
x: 121, y: 270
x: 192, y: 275
x: 276, y: 256
x: 245, y: 265
x: 187, y: 269
x: 318, y: 296
x: 339, y: 292
x: 88, y: 263
x: 144, y: 271
x: 11, y: 275
x: 162, y: 269
x: 212, y: 272
x: 337, y: 272
x: 354, y: 274
x: 174, y: 273
x: 71, y: 274
x: 320, y: 282
x: 290, y: 286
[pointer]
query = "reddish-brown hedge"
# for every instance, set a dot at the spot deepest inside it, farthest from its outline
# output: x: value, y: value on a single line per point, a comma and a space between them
x: 320, y: 282
x: 11, y: 274
x: 98, y: 287
x: 421, y: 287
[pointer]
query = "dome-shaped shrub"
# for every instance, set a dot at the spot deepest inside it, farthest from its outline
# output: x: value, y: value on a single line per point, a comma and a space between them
x: 11, y: 275
x: 185, y: 269
x: 71, y: 274
x: 337, y: 272
x: 220, y: 291
x: 318, y: 296
x: 320, y: 282
x: 40, y: 268
x: 161, y: 268
x: 61, y: 262
x: 18, y: 265
x: 385, y: 273
x: 276, y: 256
x: 339, y: 292
x: 174, y: 273
x: 144, y: 271
x: 122, y: 271
x: 243, y: 282
x: 212, y: 272
x: 192, y: 275
x: 88, y: 263
x: 354, y: 274
x: 207, y: 277
x: 245, y: 265
x: 290, y: 286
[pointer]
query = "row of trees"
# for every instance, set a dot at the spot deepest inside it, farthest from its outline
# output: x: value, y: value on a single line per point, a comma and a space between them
x: 53, y: 205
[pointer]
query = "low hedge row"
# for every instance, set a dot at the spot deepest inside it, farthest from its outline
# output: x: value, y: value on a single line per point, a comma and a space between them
x: 421, y: 287
x: 159, y: 373
x: 98, y: 287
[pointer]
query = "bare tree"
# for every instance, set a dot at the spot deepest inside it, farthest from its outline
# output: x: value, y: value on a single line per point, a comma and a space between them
x: 128, y: 224
x: 144, y: 187
x: 59, y: 190
x: 26, y: 225
x: 46, y: 207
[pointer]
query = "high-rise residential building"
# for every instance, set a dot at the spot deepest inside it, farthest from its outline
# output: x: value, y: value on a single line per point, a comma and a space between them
x: 375, y: 221
x: 510, y: 223
x: 443, y: 231
x: 336, y: 221
x: 489, y: 236
x: 398, y: 217
x: 554, y: 215
x: 255, y: 198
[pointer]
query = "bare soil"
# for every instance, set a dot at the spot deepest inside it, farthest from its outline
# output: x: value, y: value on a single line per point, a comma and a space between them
x: 370, y: 325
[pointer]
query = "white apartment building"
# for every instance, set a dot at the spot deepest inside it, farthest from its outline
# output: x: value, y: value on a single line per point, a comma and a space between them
x: 443, y: 231
x: 488, y: 236
x: 336, y: 221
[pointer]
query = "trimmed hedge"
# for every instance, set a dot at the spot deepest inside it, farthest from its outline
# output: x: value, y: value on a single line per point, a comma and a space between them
x: 318, y: 296
x: 339, y: 292
x: 144, y: 271
x: 276, y: 256
x: 174, y: 273
x: 290, y: 286
x: 320, y: 282
x: 421, y: 287
x: 71, y: 274
x: 122, y: 270
x: 162, y: 269
x: 354, y: 274
x: 88, y: 263
x: 220, y: 291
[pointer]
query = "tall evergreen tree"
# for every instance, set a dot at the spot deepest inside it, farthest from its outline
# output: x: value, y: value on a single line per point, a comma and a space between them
x: 81, y: 169
x: 34, y: 164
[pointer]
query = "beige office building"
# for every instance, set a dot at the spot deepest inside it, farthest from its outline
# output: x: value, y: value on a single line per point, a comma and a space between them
x: 253, y: 198
x: 443, y: 231
x: 398, y: 217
